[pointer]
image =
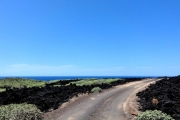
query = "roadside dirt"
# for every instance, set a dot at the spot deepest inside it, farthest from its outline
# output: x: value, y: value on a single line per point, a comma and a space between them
x: 112, y: 104
x: 131, y: 106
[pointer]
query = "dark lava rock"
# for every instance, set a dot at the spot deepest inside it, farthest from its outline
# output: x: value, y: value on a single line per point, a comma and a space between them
x: 167, y: 92
x: 50, y: 97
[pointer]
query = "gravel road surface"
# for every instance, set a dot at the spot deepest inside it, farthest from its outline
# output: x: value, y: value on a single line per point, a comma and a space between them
x: 108, y: 105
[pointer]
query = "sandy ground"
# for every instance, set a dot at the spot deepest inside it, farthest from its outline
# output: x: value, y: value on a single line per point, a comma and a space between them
x: 117, y: 103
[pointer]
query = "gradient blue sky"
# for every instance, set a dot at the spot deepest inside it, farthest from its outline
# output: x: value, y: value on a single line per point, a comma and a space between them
x: 89, y: 37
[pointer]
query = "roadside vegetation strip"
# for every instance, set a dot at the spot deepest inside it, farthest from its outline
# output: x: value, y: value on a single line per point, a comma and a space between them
x: 164, y: 95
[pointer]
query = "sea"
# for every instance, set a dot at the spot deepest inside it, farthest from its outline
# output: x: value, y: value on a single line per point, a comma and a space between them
x: 49, y: 78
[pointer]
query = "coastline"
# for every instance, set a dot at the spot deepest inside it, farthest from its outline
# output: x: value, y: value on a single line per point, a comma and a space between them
x: 49, y: 78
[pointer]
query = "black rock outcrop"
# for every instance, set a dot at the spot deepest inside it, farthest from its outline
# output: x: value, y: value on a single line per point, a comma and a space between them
x: 167, y: 92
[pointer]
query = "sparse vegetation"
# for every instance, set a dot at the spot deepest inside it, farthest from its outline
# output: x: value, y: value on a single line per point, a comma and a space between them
x: 20, y: 83
x: 93, y: 82
x: 22, y: 111
x: 154, y: 115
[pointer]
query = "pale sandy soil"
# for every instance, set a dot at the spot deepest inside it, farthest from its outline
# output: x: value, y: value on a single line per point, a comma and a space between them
x: 116, y: 103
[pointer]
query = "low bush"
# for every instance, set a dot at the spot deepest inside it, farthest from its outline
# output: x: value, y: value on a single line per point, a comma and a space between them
x: 96, y: 89
x: 22, y: 111
x: 154, y: 115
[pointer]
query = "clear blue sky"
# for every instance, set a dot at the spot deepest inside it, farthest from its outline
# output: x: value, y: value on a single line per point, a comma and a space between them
x: 89, y: 37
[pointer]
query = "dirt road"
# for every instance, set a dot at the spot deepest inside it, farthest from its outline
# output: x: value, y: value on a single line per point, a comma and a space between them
x: 108, y: 105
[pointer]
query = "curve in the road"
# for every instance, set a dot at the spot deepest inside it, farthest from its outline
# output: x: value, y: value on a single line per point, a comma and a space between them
x: 108, y: 105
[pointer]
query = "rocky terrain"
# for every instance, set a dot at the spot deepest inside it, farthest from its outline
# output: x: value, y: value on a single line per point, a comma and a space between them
x: 164, y: 96
x: 51, y: 96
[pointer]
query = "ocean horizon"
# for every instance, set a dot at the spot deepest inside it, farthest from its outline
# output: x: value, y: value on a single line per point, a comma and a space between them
x: 48, y: 78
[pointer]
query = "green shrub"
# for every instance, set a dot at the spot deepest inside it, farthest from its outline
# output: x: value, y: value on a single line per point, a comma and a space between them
x: 154, y: 115
x: 22, y: 111
x: 96, y: 89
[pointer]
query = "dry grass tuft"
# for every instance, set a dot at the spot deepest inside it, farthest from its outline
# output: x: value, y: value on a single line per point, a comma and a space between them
x: 155, y: 101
